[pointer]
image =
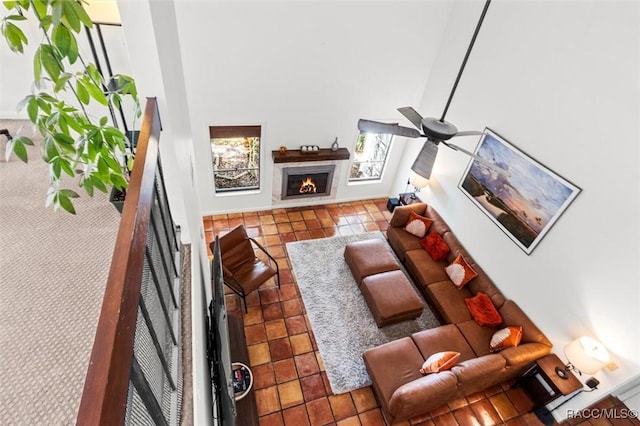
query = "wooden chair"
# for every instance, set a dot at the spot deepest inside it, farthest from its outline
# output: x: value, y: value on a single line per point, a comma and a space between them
x: 243, y: 271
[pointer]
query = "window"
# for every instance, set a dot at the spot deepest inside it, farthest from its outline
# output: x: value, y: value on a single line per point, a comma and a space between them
x: 370, y: 156
x: 235, y: 152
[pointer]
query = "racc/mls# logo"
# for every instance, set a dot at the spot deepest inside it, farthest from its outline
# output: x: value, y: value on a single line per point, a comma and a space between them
x: 603, y: 413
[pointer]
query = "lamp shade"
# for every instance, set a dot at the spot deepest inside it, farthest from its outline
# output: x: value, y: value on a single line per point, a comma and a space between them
x: 418, y: 181
x: 587, y: 354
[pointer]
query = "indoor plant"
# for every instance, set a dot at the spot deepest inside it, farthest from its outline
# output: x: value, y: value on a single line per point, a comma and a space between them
x: 76, y: 142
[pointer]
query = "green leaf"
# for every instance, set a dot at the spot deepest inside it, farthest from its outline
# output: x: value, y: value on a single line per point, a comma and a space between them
x: 97, y: 93
x: 62, y: 81
x: 73, y: 54
x: 17, y: 146
x: 55, y: 167
x: 50, y: 61
x: 88, y: 186
x: 70, y: 16
x: 82, y: 14
x: 32, y: 109
x: 50, y: 149
x: 14, y: 36
x: 15, y: 17
x: 93, y: 72
x: 103, y: 121
x: 66, y: 167
x: 97, y: 183
x: 83, y: 94
x: 9, y: 4
x: 63, y: 139
x: 61, y: 38
x: 40, y: 8
x: 64, y: 201
x: 118, y: 181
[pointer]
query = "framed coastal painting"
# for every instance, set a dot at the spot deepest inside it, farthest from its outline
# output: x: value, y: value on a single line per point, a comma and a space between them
x: 521, y: 196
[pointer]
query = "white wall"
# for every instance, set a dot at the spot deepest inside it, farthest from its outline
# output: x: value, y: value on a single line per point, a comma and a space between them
x: 559, y: 80
x: 305, y: 71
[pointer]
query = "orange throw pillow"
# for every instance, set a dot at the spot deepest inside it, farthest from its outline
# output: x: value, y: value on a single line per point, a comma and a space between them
x: 460, y: 272
x: 417, y: 225
x: 440, y: 361
x: 482, y: 310
x: 435, y: 245
x: 508, y: 337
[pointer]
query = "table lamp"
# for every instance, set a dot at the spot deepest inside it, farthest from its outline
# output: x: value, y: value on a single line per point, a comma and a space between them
x: 586, y: 355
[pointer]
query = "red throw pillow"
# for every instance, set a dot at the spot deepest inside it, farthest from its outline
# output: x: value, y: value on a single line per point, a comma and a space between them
x: 417, y: 225
x: 460, y: 272
x: 435, y: 245
x: 508, y: 337
x: 482, y: 310
x: 440, y: 361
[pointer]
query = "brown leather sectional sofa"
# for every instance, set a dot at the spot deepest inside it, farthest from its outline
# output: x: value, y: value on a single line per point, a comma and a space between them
x: 403, y: 392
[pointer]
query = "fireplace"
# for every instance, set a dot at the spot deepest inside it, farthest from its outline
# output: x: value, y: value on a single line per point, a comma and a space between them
x: 305, y: 182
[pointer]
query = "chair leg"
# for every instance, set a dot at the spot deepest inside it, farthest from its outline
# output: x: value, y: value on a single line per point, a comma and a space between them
x: 244, y: 301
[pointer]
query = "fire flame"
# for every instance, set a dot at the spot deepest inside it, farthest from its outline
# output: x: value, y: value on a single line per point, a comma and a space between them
x: 307, y: 186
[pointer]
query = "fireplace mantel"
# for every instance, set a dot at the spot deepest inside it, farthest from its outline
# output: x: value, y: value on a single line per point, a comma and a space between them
x: 297, y: 156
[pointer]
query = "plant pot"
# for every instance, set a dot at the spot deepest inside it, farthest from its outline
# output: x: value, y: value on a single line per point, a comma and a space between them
x: 117, y: 199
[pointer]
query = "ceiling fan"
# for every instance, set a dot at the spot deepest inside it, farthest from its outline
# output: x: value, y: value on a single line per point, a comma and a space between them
x: 436, y: 130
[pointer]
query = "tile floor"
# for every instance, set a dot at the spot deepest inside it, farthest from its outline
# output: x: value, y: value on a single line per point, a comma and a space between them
x: 291, y: 386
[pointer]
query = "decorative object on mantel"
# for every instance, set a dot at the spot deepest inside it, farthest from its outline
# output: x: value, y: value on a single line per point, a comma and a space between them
x: 322, y: 154
x: 309, y: 149
x: 334, y: 145
x: 283, y: 149
x: 525, y: 204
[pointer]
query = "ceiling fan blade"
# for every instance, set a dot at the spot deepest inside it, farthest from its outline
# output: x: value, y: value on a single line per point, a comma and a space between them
x: 478, y: 158
x: 470, y: 133
x: 391, y: 129
x: 412, y: 115
x: 425, y: 159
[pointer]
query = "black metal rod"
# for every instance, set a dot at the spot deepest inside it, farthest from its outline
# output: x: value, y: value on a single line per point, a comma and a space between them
x: 466, y: 57
x: 156, y: 342
x: 163, y: 304
x: 164, y: 261
x: 146, y: 394
x: 108, y: 64
x: 163, y: 219
x: 166, y: 205
x: 94, y: 53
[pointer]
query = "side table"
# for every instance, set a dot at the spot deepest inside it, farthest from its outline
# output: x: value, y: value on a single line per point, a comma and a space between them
x: 542, y: 383
x: 409, y: 198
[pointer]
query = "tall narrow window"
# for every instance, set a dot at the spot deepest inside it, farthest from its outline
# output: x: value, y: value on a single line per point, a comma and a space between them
x: 235, y: 153
x: 370, y: 156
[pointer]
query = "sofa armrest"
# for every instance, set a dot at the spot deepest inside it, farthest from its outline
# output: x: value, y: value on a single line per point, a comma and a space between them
x: 524, y: 353
x: 422, y: 395
x: 401, y: 213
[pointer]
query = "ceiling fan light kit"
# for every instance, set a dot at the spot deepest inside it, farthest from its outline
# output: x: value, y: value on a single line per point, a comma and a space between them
x: 436, y: 130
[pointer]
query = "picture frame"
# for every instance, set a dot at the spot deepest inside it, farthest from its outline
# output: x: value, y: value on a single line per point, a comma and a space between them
x: 524, y: 203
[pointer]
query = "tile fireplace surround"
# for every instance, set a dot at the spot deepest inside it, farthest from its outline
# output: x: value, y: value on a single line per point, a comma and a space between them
x: 294, y: 159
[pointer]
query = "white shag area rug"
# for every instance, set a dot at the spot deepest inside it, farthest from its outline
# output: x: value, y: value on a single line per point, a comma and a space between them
x: 342, y: 323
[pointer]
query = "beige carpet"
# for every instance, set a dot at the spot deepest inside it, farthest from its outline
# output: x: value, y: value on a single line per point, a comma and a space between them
x: 53, y: 269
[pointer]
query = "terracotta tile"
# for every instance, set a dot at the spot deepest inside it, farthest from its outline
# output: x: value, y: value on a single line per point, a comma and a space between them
x: 383, y: 225
x: 273, y: 240
x: 277, y: 251
x: 259, y: 354
x: 253, y: 316
x: 269, y: 229
x: 319, y: 412
x: 487, y: 415
x: 296, y: 325
x: 309, y: 214
x: 274, y: 419
x: 280, y: 349
x: 285, y: 370
x: 269, y: 295
x: 503, y: 406
x: 317, y: 233
x: 306, y: 364
x: 272, y: 311
x: 532, y: 420
x: 294, y: 216
x: 330, y: 232
x: 299, y: 226
x: 267, y: 400
x: 290, y: 394
x: 364, y: 399
x: 327, y: 222
x: 284, y: 228
x: 422, y: 420
x: 300, y: 343
x: 267, y: 218
x: 252, y: 299
x: 313, y: 224
x: 457, y: 403
x: 342, y: 406
x: 440, y: 410
x: 371, y: 226
x: 445, y: 419
x: 255, y: 334
x: 281, y: 217
x: 520, y: 400
x: 372, y: 418
x: 518, y: 421
x: 296, y: 416
x: 493, y: 390
x: 312, y: 387
x: 233, y: 222
x: 276, y: 329
x: 327, y: 385
x: 286, y: 277
x: 303, y: 235
x: 263, y: 376
x: 287, y: 238
x: 475, y: 397
x: 288, y: 291
x: 292, y: 307
x: 320, y: 361
x: 349, y: 421
x: 251, y: 221
x: 466, y: 417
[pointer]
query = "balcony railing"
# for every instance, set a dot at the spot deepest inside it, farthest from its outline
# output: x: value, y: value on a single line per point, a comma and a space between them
x: 134, y: 375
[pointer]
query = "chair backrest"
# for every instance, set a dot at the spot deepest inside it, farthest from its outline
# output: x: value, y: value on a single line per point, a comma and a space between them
x: 236, y: 248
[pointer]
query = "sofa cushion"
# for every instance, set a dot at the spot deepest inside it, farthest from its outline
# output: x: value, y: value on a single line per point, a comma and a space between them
x: 435, y: 246
x: 482, y: 310
x: 449, y: 301
x: 442, y: 339
x: 420, y: 396
x: 401, y: 214
x: 401, y: 241
x: 508, y: 337
x: 439, y: 225
x: 477, y: 336
x: 441, y: 361
x: 417, y: 225
x: 423, y: 268
x: 459, y: 272
x: 475, y: 369
x: 482, y: 283
x: 513, y: 315
x: 392, y: 365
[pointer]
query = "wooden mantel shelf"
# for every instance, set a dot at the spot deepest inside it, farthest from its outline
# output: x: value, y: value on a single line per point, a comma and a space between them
x: 297, y: 156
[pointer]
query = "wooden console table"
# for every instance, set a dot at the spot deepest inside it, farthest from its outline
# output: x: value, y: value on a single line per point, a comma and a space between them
x: 246, y: 408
